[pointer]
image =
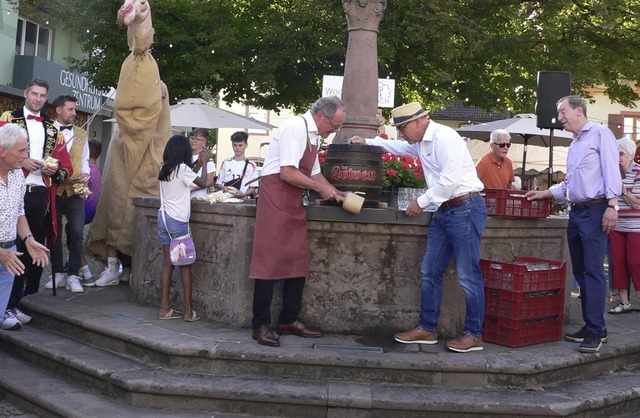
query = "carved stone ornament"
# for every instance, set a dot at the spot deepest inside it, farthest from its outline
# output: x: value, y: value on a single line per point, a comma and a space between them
x: 364, y: 14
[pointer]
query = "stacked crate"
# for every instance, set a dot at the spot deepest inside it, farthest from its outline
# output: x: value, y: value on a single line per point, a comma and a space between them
x: 524, y: 301
x: 513, y: 204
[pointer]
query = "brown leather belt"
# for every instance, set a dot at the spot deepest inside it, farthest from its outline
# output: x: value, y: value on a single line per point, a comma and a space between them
x: 457, y: 201
x: 587, y: 203
x: 8, y: 244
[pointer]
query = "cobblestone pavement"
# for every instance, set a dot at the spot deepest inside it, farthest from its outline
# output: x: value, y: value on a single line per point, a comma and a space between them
x: 9, y: 410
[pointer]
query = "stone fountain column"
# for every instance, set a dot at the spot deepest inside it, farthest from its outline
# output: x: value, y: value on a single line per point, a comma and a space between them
x: 360, y: 85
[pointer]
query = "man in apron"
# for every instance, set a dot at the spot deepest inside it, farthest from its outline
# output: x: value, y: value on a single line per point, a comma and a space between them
x: 280, y: 246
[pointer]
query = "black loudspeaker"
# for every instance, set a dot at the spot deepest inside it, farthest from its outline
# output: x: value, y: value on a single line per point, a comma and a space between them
x: 552, y: 86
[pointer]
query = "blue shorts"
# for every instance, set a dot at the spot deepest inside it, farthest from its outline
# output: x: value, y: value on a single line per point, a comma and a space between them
x: 176, y: 228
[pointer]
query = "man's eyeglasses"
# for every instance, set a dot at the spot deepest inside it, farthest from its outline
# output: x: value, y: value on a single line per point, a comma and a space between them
x: 335, y: 127
x: 404, y: 127
x: 505, y: 144
x: 195, y: 139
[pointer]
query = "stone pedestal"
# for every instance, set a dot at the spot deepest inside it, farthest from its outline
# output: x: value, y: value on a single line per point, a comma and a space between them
x: 360, y: 84
x: 365, y: 269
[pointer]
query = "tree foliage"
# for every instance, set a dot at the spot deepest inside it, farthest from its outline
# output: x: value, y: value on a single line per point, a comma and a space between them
x: 273, y: 53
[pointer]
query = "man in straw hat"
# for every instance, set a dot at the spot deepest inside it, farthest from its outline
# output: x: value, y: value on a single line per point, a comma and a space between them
x: 456, y: 227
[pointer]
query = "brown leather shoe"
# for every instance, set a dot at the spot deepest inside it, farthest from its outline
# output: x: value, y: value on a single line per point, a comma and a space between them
x: 300, y: 329
x: 265, y: 336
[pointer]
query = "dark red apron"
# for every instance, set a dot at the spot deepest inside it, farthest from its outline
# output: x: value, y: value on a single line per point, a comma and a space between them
x: 280, y: 244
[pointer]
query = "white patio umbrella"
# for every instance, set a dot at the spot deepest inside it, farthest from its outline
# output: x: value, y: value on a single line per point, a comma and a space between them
x: 524, y: 131
x: 197, y: 113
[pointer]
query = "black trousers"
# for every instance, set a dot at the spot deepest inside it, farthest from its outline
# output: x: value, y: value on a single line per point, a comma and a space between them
x: 35, y: 206
x: 291, y: 301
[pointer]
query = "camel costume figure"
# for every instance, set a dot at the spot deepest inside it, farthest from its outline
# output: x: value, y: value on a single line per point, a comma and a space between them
x: 135, y: 152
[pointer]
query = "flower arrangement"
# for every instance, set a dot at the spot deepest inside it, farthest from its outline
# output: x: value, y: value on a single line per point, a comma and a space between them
x: 402, y: 172
x: 322, y: 156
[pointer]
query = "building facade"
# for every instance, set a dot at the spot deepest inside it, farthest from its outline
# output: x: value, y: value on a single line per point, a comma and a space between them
x: 30, y: 48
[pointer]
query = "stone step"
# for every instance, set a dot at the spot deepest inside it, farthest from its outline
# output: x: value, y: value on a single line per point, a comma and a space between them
x: 49, y: 394
x: 105, y: 383
x: 105, y: 319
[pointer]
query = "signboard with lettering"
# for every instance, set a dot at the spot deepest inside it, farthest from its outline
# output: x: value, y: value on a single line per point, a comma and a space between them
x: 61, y: 81
x: 332, y: 85
x: 88, y: 96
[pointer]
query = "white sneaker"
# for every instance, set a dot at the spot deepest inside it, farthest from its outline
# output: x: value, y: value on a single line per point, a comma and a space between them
x: 126, y: 274
x: 60, y: 281
x: 108, y: 278
x: 21, y: 316
x: 73, y: 284
x: 9, y: 321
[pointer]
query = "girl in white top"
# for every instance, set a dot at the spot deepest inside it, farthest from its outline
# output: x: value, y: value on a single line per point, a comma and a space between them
x: 176, y: 177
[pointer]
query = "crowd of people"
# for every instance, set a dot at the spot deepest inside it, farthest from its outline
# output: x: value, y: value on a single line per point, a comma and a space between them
x: 48, y: 172
x: 60, y: 179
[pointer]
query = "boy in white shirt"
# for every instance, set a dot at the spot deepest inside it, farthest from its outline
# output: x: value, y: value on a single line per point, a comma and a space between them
x: 237, y: 171
x: 198, y: 141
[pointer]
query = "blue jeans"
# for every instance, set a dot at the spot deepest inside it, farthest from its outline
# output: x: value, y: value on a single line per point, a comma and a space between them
x: 588, y: 246
x: 6, y: 284
x: 455, y: 232
x: 176, y: 228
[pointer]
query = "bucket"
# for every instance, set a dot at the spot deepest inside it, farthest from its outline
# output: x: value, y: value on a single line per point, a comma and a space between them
x: 356, y: 168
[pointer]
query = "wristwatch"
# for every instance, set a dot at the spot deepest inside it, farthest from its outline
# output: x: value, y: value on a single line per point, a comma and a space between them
x: 614, y: 207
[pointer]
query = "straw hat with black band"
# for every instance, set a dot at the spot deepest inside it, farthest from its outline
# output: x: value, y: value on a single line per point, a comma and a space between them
x: 407, y: 113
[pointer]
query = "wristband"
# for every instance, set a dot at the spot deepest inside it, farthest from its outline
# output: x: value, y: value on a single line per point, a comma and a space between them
x: 24, y: 240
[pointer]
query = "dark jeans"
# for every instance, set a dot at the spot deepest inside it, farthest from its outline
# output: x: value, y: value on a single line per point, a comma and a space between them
x: 72, y: 208
x: 588, y: 246
x: 291, y: 301
x: 35, y: 206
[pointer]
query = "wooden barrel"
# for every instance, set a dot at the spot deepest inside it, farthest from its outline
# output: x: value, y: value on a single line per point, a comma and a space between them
x: 356, y: 168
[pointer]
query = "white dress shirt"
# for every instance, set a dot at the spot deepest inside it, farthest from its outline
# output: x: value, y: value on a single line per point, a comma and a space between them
x: 446, y: 162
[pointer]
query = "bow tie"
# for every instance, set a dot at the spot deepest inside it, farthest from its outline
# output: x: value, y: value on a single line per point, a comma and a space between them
x: 63, y: 127
x: 38, y: 118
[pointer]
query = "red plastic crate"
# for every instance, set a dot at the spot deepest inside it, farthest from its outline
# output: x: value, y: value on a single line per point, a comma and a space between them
x: 521, y: 332
x: 517, y: 305
x: 515, y: 276
x: 511, y: 203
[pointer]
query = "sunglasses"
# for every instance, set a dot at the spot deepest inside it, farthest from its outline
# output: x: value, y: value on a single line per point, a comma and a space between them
x: 506, y: 144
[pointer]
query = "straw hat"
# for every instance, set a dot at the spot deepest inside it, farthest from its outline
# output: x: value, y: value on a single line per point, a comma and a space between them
x: 406, y: 113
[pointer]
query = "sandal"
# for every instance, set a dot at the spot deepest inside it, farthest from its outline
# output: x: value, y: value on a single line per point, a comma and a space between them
x: 194, y: 317
x: 620, y: 308
x: 171, y: 314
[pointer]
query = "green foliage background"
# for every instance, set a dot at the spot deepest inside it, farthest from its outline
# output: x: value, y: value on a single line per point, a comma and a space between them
x: 273, y: 53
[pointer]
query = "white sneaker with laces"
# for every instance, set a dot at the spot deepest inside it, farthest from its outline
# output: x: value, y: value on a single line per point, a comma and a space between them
x: 108, y: 278
x: 21, y: 316
x: 73, y: 284
x: 60, y: 281
x: 9, y: 321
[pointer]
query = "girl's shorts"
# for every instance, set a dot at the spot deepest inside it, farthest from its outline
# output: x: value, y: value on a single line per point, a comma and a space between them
x: 176, y: 228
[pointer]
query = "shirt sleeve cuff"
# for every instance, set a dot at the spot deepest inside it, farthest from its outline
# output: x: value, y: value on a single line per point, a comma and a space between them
x: 423, y: 201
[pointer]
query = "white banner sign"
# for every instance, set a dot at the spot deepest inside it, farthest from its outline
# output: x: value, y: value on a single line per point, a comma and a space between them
x: 332, y: 85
